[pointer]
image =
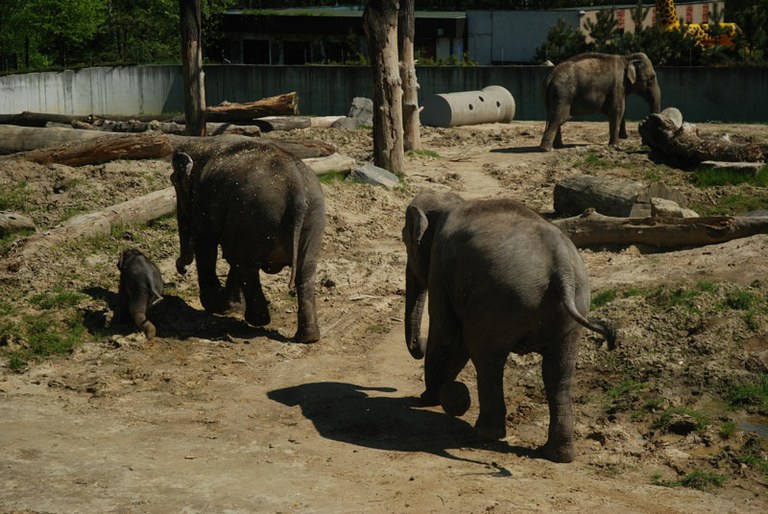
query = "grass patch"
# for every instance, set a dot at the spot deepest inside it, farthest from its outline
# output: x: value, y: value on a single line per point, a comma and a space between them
x: 376, y: 329
x: 627, y: 387
x: 603, y: 298
x: 710, y: 177
x: 731, y: 205
x: 696, y: 479
x: 750, y: 394
x: 332, y: 177
x: 727, y: 429
x: 666, y: 298
x: 14, y: 196
x: 59, y: 297
x: 40, y: 336
x: 592, y: 161
x: 668, y: 419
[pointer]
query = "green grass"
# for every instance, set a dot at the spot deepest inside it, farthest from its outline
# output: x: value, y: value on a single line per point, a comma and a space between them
x: 664, y: 422
x: 731, y: 205
x: 14, y: 196
x: 727, y: 429
x: 40, y: 336
x: 749, y: 394
x: 696, y: 479
x: 710, y: 177
x: 665, y: 297
x: 59, y: 297
x: 603, y: 298
x: 626, y: 387
x: 332, y: 177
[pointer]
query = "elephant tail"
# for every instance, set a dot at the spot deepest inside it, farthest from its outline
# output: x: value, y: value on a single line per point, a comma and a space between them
x: 567, y: 279
x: 300, y: 209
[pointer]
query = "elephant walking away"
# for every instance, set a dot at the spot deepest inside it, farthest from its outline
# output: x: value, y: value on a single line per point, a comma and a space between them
x: 500, y: 279
x: 266, y: 210
x: 141, y: 287
x: 592, y: 82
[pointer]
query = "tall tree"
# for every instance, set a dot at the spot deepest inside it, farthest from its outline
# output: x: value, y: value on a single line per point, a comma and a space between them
x: 406, y: 29
x: 190, y: 25
x: 380, y: 24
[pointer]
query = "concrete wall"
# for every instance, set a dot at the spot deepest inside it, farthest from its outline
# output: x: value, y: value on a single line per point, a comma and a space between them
x: 702, y: 94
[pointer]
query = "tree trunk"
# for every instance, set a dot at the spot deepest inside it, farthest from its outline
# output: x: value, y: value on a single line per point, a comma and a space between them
x: 682, y: 145
x: 380, y: 24
x: 146, y: 145
x: 406, y: 30
x: 594, y: 229
x: 190, y: 25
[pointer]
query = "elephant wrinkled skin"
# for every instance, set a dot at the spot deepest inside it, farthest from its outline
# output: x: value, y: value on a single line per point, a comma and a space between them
x: 265, y: 208
x: 594, y: 82
x: 141, y: 287
x: 500, y: 279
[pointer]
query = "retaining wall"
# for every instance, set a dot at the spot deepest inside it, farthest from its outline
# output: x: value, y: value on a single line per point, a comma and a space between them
x: 729, y: 95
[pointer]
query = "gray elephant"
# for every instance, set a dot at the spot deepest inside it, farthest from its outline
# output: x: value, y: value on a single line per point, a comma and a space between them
x: 593, y: 82
x: 266, y: 210
x: 500, y: 279
x: 141, y: 287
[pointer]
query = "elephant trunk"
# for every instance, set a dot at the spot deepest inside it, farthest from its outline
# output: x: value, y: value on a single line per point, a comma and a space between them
x: 415, y: 299
x: 654, y: 99
x: 186, y: 248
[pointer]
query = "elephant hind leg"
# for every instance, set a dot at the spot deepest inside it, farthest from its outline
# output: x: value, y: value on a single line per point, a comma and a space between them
x: 491, y: 423
x: 146, y: 326
x: 558, y: 365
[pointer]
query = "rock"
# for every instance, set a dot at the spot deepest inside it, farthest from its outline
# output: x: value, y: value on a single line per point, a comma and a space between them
x: 610, y: 196
x: 663, y: 208
x: 746, y: 167
x: 370, y: 174
x: 360, y: 114
x: 11, y: 222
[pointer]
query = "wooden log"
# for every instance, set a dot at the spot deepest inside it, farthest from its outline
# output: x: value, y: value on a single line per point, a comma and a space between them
x: 683, y: 145
x: 594, y: 229
x: 333, y: 162
x: 270, y: 123
x: 138, y: 210
x: 145, y: 145
x: 280, y: 105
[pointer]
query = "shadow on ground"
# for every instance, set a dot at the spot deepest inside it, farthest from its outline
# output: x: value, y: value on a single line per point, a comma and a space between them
x: 373, y: 418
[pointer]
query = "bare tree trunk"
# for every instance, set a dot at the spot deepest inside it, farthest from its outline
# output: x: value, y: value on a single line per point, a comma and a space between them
x: 406, y: 29
x: 380, y: 24
x: 190, y: 25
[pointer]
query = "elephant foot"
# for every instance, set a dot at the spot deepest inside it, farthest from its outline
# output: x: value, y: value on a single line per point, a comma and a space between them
x: 430, y: 398
x: 544, y: 148
x: 307, y: 335
x: 257, y: 317
x: 490, y: 431
x: 454, y: 398
x: 561, y: 453
x: 149, y: 330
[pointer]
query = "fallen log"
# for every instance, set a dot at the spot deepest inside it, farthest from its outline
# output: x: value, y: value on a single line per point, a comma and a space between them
x: 145, y: 145
x: 594, y: 229
x: 138, y: 210
x: 682, y: 144
x: 280, y: 105
x: 333, y: 162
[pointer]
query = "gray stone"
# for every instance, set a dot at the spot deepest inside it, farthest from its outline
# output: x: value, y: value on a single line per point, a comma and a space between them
x: 674, y: 115
x: 663, y: 208
x: 746, y: 167
x: 370, y: 174
x: 11, y: 222
x: 360, y: 115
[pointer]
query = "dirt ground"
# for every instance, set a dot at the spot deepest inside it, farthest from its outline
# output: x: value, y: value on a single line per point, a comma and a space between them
x: 217, y: 416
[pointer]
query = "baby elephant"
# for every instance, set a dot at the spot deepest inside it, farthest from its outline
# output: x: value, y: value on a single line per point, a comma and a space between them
x: 141, y: 287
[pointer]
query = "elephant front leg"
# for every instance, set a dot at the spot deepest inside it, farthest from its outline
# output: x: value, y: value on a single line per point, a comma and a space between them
x: 557, y: 370
x: 256, y: 304
x: 210, y: 288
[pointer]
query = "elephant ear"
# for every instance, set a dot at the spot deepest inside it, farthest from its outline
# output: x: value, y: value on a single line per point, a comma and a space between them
x: 632, y: 71
x: 182, y: 168
x: 418, y: 223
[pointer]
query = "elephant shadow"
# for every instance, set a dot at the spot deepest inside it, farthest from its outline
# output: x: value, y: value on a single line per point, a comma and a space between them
x: 533, y: 149
x: 372, y: 417
x: 173, y: 317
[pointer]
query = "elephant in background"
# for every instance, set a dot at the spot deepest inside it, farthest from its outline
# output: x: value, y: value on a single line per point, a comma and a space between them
x: 141, y: 287
x: 266, y: 210
x: 500, y: 279
x: 594, y: 82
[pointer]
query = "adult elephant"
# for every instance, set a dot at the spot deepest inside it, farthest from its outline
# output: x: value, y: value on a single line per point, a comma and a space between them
x: 500, y: 279
x: 265, y: 208
x: 593, y: 82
